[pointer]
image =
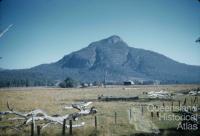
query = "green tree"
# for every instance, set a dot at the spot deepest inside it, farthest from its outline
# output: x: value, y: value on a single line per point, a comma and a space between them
x: 68, y: 83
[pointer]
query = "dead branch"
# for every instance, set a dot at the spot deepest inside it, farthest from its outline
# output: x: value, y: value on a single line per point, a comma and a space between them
x: 39, y: 115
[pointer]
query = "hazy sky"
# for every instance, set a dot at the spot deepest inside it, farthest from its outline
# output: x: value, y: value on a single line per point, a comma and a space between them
x: 43, y: 31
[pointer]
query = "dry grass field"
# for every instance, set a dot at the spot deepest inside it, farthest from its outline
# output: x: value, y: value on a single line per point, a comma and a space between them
x: 53, y: 100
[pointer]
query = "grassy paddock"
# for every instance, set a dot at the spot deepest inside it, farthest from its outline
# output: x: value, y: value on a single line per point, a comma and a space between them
x: 52, y: 101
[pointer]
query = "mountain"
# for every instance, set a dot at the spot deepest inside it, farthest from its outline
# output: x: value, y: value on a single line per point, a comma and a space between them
x: 111, y: 58
x: 1, y: 69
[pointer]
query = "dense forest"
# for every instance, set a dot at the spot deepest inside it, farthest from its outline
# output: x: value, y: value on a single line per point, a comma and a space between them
x: 24, y: 83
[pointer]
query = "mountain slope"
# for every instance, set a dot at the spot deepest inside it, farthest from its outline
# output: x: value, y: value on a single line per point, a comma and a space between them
x: 113, y: 57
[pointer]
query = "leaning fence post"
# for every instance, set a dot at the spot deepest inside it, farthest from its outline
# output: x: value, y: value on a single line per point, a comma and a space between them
x: 185, y: 101
x: 64, y: 123
x: 115, y: 117
x: 70, y: 127
x: 195, y: 100
x: 38, y: 130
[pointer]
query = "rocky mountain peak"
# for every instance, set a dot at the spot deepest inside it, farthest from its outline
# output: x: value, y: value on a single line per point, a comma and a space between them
x: 113, y: 39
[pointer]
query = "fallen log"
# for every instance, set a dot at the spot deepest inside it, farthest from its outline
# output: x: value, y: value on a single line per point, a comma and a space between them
x: 40, y: 115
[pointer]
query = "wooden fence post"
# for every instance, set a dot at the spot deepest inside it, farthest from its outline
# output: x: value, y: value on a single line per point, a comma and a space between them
x: 191, y: 101
x: 164, y: 106
x: 115, y: 117
x: 152, y: 114
x: 32, y: 128
x: 95, y: 122
x: 172, y: 108
x: 130, y: 113
x: 157, y: 114
x: 63, y: 130
x: 195, y: 99
x: 70, y: 127
x: 179, y: 104
x: 38, y: 130
x: 185, y: 101
x: 142, y: 110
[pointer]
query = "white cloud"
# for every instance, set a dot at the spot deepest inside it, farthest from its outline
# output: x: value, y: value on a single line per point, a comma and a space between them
x: 5, y: 30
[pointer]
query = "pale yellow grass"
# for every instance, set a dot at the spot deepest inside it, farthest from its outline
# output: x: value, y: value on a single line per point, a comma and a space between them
x: 53, y: 100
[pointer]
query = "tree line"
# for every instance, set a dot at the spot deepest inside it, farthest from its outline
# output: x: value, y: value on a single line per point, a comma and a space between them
x: 24, y: 83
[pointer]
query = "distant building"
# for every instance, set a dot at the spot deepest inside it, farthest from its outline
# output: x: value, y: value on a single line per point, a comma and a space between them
x: 156, y: 82
x: 90, y: 84
x: 84, y: 85
x: 129, y: 82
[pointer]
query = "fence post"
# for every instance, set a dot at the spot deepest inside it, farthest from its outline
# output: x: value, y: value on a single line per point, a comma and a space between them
x: 95, y: 122
x: 32, y: 127
x: 130, y: 111
x: 195, y: 100
x: 179, y: 104
x: 191, y: 101
x: 70, y: 127
x: 115, y: 117
x: 185, y: 101
x: 157, y: 114
x: 152, y: 114
x: 164, y: 106
x: 142, y: 110
x: 172, y: 106
x: 38, y: 130
x: 63, y: 130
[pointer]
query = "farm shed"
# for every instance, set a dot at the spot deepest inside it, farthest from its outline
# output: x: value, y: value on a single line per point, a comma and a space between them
x: 129, y: 82
x: 117, y: 98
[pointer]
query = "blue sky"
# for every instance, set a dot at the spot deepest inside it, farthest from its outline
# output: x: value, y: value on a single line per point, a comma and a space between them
x: 43, y: 31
